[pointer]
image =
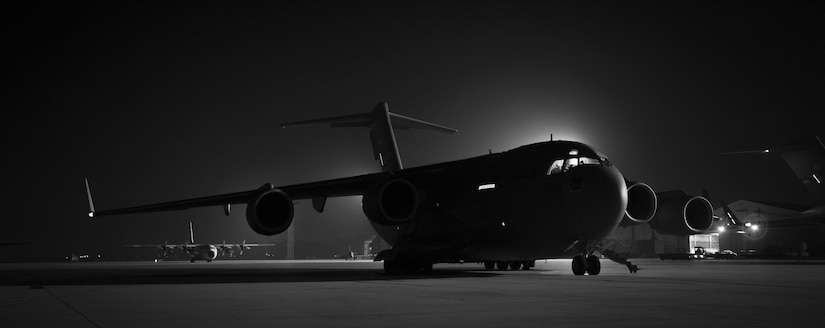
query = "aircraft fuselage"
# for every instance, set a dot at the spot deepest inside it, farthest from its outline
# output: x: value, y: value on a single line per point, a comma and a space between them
x: 514, y: 206
x: 205, y: 252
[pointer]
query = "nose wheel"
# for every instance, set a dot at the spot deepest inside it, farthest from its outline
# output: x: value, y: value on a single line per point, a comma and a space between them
x: 591, y: 265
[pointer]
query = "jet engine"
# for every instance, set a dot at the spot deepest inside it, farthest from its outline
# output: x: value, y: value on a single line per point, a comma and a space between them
x: 395, y: 202
x: 641, y: 204
x: 270, y: 213
x: 682, y: 214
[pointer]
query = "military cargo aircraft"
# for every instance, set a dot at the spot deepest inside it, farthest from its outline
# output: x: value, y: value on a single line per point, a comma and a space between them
x: 544, y: 200
x: 204, y: 252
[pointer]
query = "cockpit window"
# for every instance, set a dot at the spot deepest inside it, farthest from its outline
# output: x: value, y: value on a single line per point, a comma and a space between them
x: 562, y: 165
x: 555, y: 167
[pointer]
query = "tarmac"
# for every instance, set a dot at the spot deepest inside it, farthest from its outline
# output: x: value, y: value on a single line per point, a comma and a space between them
x: 713, y: 293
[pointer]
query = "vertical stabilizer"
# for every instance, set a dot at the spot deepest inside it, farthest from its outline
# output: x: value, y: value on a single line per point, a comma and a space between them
x: 381, y: 123
x: 384, y: 147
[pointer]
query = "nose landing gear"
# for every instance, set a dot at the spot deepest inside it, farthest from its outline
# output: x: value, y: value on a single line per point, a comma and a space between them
x: 591, y: 265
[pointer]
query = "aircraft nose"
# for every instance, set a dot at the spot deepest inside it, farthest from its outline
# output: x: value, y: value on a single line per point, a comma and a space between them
x: 603, y: 200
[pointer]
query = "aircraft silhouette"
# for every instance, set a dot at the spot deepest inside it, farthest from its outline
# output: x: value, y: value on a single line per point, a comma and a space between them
x: 205, y: 252
x: 544, y: 200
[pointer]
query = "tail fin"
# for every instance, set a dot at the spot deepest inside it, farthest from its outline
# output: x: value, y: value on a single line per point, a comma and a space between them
x: 191, y: 234
x: 381, y: 123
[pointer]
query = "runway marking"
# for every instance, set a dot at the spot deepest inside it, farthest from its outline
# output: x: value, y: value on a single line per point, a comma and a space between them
x: 71, y: 307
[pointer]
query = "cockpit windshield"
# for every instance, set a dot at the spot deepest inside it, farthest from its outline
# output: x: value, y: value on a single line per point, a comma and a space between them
x: 573, y: 159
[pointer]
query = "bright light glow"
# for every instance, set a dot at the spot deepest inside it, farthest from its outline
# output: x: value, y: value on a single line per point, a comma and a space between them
x: 767, y: 151
x: 754, y: 227
x: 721, y: 229
x: 91, y: 214
x: 502, y: 224
x: 574, y: 152
x: 747, y: 224
x: 487, y: 186
x: 817, y: 179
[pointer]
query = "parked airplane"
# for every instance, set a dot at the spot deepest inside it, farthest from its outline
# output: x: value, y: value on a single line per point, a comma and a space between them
x: 231, y: 248
x: 206, y: 252
x: 544, y: 200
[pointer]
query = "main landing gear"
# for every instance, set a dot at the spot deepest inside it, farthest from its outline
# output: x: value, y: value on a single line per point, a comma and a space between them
x: 591, y: 265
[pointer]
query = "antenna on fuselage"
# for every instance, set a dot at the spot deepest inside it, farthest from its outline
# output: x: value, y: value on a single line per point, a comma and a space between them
x: 551, y: 137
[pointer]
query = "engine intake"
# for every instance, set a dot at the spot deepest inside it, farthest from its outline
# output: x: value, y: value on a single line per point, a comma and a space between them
x: 682, y: 214
x: 270, y: 213
x: 395, y: 202
x: 641, y: 204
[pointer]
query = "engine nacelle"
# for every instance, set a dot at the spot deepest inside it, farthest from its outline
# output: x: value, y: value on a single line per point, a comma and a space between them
x: 270, y: 213
x: 395, y: 202
x: 641, y: 204
x: 682, y: 214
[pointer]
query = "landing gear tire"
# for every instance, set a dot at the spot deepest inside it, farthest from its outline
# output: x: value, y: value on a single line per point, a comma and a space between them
x: 594, y: 266
x: 579, y: 265
x: 489, y: 265
x: 529, y: 265
x: 501, y: 265
x: 392, y: 267
x: 515, y: 265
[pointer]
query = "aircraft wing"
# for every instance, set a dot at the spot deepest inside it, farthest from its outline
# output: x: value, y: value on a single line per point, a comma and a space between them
x: 804, y: 220
x: 330, y: 188
x: 159, y: 246
x: 317, y: 191
x: 258, y: 245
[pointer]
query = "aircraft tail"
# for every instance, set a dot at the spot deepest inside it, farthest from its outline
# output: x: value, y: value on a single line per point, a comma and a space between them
x: 381, y: 123
x: 806, y: 158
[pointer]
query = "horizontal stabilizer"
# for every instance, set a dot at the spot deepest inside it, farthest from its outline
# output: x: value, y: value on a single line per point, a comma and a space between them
x: 406, y: 123
x: 381, y: 123
x: 336, y: 122
x: 400, y: 122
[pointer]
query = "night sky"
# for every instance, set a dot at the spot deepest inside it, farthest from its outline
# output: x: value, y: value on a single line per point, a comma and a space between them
x: 157, y: 101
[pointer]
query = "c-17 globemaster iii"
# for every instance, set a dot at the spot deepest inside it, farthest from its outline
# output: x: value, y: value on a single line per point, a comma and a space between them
x: 544, y: 200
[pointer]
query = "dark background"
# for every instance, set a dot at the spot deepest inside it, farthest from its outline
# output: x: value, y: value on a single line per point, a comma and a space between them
x: 156, y: 101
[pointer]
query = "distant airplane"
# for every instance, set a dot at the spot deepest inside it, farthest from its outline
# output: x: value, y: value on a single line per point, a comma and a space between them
x: 206, y: 252
x: 806, y: 158
x: 367, y: 251
x: 231, y: 248
x: 544, y: 200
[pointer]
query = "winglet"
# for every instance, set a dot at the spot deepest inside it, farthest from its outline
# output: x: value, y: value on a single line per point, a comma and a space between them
x: 191, y: 234
x: 91, y: 204
x: 731, y: 215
